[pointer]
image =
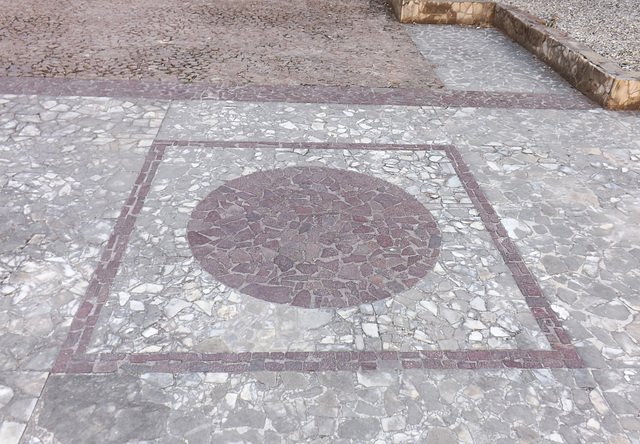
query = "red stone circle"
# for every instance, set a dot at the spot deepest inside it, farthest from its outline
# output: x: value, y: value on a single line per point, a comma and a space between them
x: 314, y: 237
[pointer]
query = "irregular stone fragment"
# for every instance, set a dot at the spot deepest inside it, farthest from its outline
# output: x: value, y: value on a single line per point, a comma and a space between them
x: 175, y: 306
x: 11, y: 432
x: 612, y: 310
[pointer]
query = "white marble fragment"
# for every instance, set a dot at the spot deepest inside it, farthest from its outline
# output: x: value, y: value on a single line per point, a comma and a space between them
x: 217, y: 378
x: 151, y: 331
x: 136, y: 306
x: 474, y: 324
x: 431, y: 306
x: 370, y: 329
x: 205, y: 306
x: 10, y: 432
x: 516, y: 229
x: 422, y: 337
x: 478, y: 304
x: 175, y: 306
x: 147, y: 288
x: 6, y: 394
x: 30, y: 131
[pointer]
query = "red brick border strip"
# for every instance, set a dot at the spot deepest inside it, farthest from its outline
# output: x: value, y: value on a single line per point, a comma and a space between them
x: 73, y: 358
x: 290, y: 94
x: 322, y: 361
x: 87, y: 315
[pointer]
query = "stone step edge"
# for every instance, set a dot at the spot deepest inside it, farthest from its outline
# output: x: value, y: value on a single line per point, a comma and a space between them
x: 597, y: 77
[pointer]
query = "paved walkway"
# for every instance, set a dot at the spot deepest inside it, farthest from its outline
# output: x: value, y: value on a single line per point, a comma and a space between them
x: 455, y: 262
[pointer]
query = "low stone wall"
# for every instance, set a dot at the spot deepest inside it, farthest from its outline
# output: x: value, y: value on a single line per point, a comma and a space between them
x: 444, y: 13
x: 600, y: 79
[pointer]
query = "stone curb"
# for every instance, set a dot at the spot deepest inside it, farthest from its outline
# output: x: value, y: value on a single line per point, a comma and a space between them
x: 600, y: 79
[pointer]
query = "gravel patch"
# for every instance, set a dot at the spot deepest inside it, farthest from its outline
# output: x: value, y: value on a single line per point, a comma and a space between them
x: 609, y: 27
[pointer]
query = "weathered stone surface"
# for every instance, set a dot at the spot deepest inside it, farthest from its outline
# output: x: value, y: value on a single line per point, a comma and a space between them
x: 459, y: 70
x: 582, y: 67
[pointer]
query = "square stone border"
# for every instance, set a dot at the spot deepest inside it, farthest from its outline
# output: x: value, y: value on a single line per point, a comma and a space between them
x: 597, y: 77
x: 73, y: 359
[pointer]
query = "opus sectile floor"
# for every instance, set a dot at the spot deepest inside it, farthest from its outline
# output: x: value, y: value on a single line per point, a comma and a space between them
x: 266, y: 263
x: 215, y: 317
x: 245, y: 256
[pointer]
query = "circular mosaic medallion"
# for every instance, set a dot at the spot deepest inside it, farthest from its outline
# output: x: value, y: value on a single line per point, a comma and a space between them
x: 314, y: 237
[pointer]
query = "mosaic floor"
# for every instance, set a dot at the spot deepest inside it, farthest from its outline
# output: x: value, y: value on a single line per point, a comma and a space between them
x: 339, y: 262
x: 296, y: 252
